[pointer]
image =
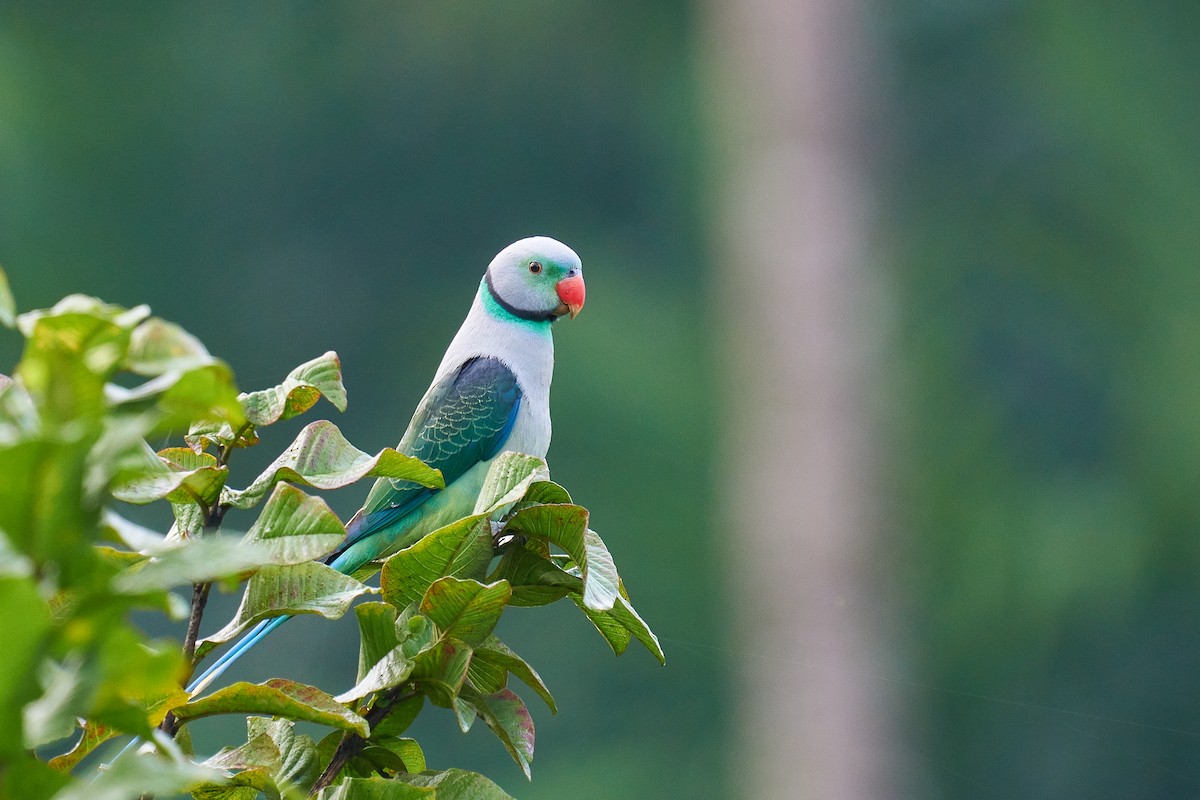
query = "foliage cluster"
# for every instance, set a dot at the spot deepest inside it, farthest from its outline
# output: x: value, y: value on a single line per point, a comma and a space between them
x: 97, y: 381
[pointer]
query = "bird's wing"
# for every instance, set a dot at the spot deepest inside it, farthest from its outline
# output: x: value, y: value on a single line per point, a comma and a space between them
x: 463, y: 419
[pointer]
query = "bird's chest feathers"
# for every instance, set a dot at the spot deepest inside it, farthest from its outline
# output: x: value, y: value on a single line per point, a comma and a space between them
x: 531, y: 433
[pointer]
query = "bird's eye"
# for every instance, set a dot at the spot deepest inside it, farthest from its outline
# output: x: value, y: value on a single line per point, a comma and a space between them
x: 535, y: 267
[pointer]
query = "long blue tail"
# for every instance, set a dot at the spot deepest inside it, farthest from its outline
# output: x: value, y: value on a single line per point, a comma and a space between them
x: 340, y: 560
x: 343, y: 560
x: 251, y: 638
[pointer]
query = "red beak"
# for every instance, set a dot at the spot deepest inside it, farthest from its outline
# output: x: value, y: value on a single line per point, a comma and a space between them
x: 571, y: 292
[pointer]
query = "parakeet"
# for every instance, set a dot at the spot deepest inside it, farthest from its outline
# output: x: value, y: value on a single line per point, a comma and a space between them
x: 491, y: 394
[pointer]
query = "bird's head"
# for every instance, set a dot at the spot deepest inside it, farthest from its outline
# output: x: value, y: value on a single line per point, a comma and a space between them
x: 538, y: 279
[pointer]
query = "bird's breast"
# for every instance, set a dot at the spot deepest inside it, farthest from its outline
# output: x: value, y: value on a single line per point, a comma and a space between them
x: 531, y: 431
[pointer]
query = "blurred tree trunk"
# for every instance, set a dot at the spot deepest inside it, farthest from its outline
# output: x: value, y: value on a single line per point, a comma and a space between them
x: 796, y: 302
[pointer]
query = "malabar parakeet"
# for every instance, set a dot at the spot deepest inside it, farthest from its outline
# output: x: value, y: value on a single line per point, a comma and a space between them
x: 490, y: 395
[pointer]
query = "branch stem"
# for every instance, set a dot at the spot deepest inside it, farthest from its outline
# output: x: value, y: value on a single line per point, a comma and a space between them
x: 213, y: 515
x: 199, y: 600
x: 351, y: 743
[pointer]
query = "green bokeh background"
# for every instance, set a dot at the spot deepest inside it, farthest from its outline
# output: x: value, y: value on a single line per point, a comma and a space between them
x: 284, y: 179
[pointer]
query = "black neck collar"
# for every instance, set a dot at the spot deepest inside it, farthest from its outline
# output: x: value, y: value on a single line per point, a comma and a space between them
x: 519, y: 313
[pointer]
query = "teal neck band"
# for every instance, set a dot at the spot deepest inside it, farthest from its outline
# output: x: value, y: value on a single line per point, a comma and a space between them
x: 501, y: 310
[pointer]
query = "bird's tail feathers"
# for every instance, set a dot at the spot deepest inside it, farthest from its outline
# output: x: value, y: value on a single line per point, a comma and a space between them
x: 252, y: 637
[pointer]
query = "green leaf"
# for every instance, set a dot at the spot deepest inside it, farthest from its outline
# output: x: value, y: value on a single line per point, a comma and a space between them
x: 29, y: 779
x: 183, y: 740
x: 298, y: 751
x: 374, y: 760
x: 621, y: 623
x: 508, y: 478
x: 157, y: 346
x: 118, y: 559
x: 192, y: 561
x: 299, y: 391
x: 565, y: 526
x: 505, y: 713
x: 417, y: 633
x: 464, y: 713
x: 136, y: 681
x: 120, y: 454
x: 8, y: 307
x: 13, y: 564
x: 52, y: 716
x: 560, y: 525
x: 466, y: 610
x: 76, y: 316
x: 383, y: 661
x: 308, y: 588
x: 177, y: 398
x: 19, y: 418
x: 442, y: 669
x: 23, y: 637
x: 278, y: 698
x: 399, y: 717
x: 463, y: 548
x: 134, y: 536
x: 203, y: 393
x: 601, y: 584
x: 176, y: 474
x: 189, y: 522
x: 487, y: 676
x: 491, y: 664
x: 259, y: 751
x: 409, y: 751
x: 322, y: 458
x: 43, y: 509
x: 68, y: 394
x: 376, y: 788
x: 376, y: 633
x: 246, y: 785
x: 536, y: 580
x: 212, y: 432
x: 391, y: 670
x: 458, y: 784
x: 71, y: 352
x: 295, y: 527
x: 110, y: 676
x: 135, y: 775
x: 546, y: 492
x: 275, y: 760
x: 91, y: 737
x: 80, y: 336
x: 390, y: 756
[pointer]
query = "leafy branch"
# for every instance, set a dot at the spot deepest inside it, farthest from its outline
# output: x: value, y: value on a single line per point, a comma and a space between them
x: 73, y: 442
x: 351, y: 744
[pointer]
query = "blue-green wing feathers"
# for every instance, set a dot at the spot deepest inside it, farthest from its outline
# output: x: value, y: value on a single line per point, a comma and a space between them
x: 464, y: 419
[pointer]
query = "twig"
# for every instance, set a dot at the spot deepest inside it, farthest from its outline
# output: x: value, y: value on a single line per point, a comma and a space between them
x: 199, y: 600
x: 227, y: 448
x: 200, y: 591
x: 213, y: 515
